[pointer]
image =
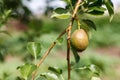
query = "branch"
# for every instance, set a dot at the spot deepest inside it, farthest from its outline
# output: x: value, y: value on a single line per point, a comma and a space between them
x: 68, y: 30
x: 47, y: 53
x: 69, y: 35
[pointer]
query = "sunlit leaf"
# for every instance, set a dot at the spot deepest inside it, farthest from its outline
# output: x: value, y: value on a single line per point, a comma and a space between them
x: 110, y: 8
x: 75, y: 53
x: 55, y: 70
x: 49, y: 76
x: 7, y: 12
x: 81, y: 68
x: 94, y: 69
x: 95, y: 78
x: 34, y: 48
x: 61, y: 16
x: 101, y: 9
x: 4, y: 15
x: 41, y: 78
x: 26, y: 70
x: 89, y: 23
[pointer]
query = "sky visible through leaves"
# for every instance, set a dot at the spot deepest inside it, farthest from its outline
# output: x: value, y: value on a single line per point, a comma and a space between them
x: 39, y: 6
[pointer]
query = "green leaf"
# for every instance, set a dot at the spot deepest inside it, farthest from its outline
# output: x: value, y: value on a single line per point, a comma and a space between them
x: 95, y: 78
x: 94, y: 69
x: 80, y: 68
x: 110, y: 8
x: 60, y: 10
x: 34, y: 48
x: 61, y: 16
x: 1, y: 56
x: 49, y: 76
x: 4, y: 15
x: 1, y: 1
x: 89, y: 23
x: 26, y: 70
x: 59, y: 41
x: 95, y: 12
x: 7, y: 13
x: 101, y: 9
x: 55, y: 70
x: 41, y: 78
x: 1, y: 6
x: 75, y: 53
x: 91, y: 0
x: 93, y: 3
x: 5, y: 32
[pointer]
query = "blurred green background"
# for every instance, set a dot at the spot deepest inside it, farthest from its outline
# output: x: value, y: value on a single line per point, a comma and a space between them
x: 103, y: 50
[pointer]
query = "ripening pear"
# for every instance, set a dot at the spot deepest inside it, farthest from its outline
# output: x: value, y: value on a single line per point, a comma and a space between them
x: 80, y: 39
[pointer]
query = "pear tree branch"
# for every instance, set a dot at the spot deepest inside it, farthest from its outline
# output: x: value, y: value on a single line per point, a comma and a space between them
x: 68, y: 31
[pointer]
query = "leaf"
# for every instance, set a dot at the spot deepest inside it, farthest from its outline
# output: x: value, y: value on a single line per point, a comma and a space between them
x: 49, y: 76
x: 96, y: 10
x: 76, y: 56
x: 7, y: 13
x: 55, y: 70
x: 60, y: 10
x: 3, y: 52
x: 26, y: 70
x: 109, y: 5
x: 1, y: 1
x: 101, y: 9
x: 5, y: 32
x: 1, y: 57
x: 34, y: 48
x: 19, y: 78
x: 91, y: 0
x: 94, y: 69
x: 41, y: 78
x: 95, y: 78
x: 59, y: 41
x: 89, y: 23
x: 1, y: 6
x: 4, y: 15
x: 74, y: 2
x: 95, y: 3
x: 61, y: 16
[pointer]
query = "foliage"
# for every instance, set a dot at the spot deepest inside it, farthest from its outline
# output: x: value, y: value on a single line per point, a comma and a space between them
x: 34, y: 49
x: 94, y: 7
x: 26, y: 70
x: 110, y: 31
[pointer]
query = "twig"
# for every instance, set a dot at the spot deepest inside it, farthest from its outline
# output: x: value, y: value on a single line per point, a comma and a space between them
x: 68, y: 52
x: 47, y: 53
x: 68, y: 30
x: 69, y: 35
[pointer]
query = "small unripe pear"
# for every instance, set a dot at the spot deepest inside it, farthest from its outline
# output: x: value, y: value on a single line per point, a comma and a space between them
x: 80, y: 39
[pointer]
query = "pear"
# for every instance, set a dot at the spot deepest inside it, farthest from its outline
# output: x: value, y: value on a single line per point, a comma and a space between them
x: 80, y: 39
